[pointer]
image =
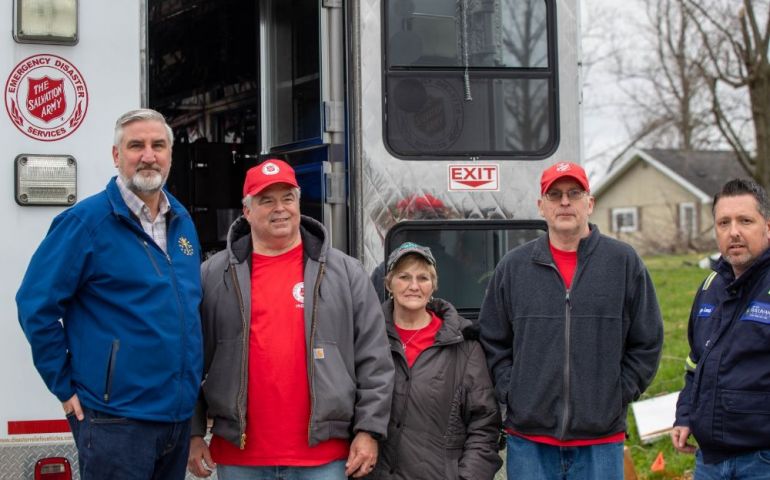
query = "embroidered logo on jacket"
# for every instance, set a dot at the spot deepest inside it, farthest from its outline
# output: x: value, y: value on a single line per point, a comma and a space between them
x: 705, y: 310
x: 185, y: 246
x: 757, y: 312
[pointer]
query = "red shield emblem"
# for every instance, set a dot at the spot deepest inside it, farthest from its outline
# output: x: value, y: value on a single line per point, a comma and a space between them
x: 45, y: 98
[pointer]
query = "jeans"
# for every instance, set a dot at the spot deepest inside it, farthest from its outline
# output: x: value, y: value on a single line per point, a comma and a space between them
x: 330, y: 471
x: 119, y: 448
x: 538, y: 461
x: 752, y: 466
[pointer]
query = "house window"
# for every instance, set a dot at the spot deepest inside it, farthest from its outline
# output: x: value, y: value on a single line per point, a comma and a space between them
x: 625, y: 219
x: 470, y: 78
x: 688, y: 224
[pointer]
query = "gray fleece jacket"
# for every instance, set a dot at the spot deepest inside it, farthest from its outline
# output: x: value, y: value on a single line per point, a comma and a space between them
x: 351, y: 383
x: 567, y: 363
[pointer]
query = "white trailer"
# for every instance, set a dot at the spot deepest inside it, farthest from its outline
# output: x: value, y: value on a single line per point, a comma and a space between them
x: 405, y: 119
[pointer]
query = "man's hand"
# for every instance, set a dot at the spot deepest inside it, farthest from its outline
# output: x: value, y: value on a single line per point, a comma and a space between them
x: 679, y: 437
x: 362, y: 456
x: 199, y: 462
x: 72, y: 407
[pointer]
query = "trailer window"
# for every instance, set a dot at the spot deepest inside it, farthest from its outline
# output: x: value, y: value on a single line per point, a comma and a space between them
x: 466, y: 253
x: 470, y: 78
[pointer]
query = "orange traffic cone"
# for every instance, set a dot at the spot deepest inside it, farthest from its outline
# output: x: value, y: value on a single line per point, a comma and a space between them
x: 659, y: 464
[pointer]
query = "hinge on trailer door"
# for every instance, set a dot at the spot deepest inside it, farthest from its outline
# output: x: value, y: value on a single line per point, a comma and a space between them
x: 334, y: 120
x: 335, y: 187
x: 332, y: 3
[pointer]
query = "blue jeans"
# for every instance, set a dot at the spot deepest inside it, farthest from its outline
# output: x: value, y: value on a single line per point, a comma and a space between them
x: 119, y: 448
x: 752, y: 466
x: 538, y: 461
x: 330, y: 471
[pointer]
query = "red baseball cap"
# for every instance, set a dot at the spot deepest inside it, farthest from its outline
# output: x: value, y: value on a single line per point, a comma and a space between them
x: 267, y: 173
x: 414, y: 203
x: 561, y: 170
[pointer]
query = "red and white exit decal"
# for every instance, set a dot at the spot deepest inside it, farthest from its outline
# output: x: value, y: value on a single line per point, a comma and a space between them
x: 474, y: 176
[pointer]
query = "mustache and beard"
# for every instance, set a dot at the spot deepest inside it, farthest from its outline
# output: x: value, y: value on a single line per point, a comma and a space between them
x: 146, y: 179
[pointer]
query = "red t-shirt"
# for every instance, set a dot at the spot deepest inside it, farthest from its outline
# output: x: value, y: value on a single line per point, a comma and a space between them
x: 566, y: 262
x: 415, y: 341
x: 278, y: 401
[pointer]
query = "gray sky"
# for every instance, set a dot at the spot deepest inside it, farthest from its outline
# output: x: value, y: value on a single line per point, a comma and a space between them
x: 604, y: 23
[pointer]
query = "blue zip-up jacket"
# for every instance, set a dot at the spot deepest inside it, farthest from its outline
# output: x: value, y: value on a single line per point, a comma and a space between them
x: 726, y: 398
x: 129, y: 341
x: 567, y: 363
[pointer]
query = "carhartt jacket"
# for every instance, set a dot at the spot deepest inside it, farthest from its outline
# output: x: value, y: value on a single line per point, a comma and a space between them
x: 566, y: 363
x: 351, y: 384
x: 445, y: 422
x: 130, y: 344
x: 726, y: 398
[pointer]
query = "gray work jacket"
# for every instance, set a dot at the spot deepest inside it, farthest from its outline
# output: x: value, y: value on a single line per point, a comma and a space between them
x: 351, y: 384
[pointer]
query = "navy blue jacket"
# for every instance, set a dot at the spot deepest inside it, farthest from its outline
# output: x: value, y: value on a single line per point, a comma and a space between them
x: 726, y: 398
x: 129, y: 341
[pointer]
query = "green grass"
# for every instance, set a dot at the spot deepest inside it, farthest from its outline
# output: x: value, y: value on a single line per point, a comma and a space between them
x: 676, y: 279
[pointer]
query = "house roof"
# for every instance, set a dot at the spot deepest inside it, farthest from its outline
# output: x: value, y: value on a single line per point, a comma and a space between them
x: 700, y: 172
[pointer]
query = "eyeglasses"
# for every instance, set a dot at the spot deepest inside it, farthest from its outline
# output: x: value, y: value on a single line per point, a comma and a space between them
x: 556, y: 195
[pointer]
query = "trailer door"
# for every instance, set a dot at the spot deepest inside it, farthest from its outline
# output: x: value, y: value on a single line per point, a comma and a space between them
x: 302, y: 98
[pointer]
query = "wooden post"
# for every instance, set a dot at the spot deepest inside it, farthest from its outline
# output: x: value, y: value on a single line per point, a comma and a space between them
x: 629, y: 472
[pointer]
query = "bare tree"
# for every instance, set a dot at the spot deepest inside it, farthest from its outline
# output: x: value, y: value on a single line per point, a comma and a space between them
x: 735, y: 36
x: 661, y: 78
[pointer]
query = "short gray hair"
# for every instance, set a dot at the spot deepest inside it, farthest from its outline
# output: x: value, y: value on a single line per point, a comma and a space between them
x: 141, y: 114
x: 249, y: 198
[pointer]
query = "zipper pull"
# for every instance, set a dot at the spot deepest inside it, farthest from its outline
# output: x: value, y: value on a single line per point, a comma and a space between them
x: 243, y: 441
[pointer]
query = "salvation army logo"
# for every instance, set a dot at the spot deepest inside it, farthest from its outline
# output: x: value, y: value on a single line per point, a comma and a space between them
x: 428, y: 113
x: 298, y: 292
x: 270, y: 168
x: 46, y: 97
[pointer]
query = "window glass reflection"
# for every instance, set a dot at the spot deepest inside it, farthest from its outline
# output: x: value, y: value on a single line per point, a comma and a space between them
x: 427, y: 113
x: 479, y: 33
x: 465, y: 258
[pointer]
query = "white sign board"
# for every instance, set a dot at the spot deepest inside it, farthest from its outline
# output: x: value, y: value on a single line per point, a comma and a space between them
x: 655, y: 416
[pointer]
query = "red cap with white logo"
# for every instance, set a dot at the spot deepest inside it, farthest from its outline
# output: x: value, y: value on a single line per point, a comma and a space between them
x: 561, y: 170
x: 268, y: 173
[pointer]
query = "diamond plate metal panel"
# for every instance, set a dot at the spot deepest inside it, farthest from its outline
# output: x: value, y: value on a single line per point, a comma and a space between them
x: 18, y: 461
x: 386, y: 180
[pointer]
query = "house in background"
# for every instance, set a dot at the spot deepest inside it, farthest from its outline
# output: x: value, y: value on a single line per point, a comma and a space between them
x: 660, y: 200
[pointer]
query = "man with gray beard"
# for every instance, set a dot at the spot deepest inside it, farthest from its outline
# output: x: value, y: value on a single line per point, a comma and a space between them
x: 109, y: 304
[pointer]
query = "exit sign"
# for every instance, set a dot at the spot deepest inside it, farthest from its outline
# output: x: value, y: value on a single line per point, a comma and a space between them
x: 474, y: 176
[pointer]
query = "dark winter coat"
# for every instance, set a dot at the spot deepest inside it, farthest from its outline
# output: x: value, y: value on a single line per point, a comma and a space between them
x: 444, y: 422
x: 726, y: 398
